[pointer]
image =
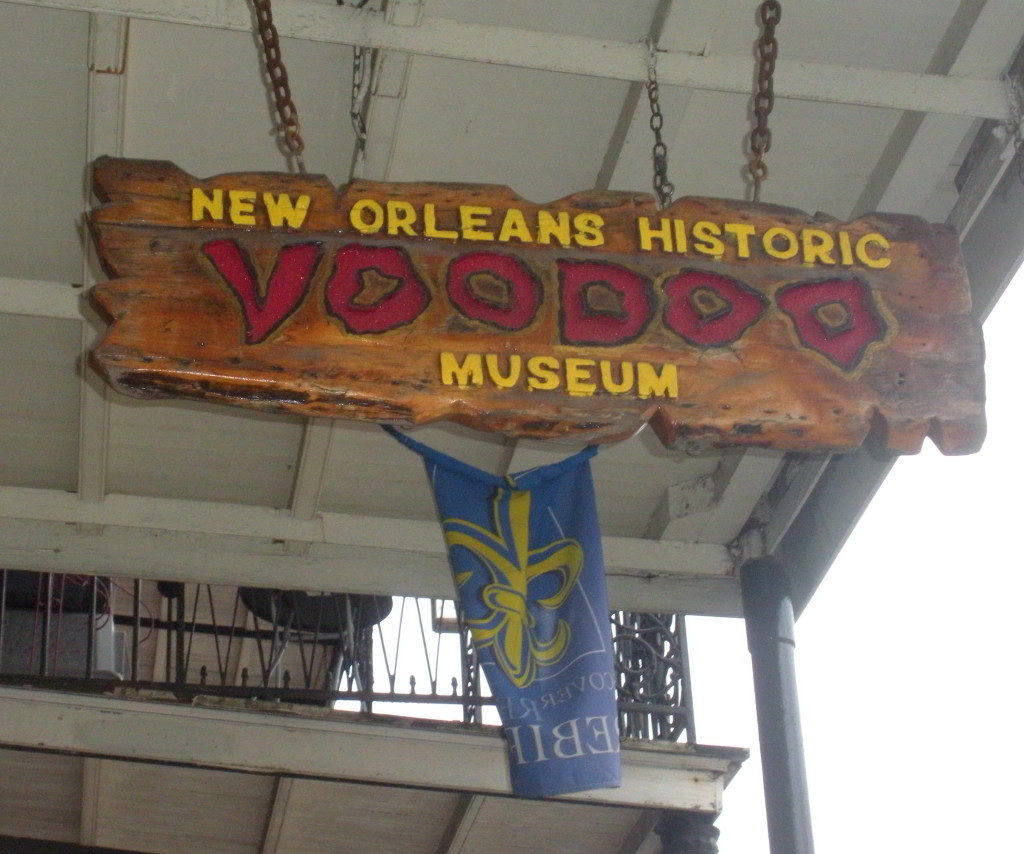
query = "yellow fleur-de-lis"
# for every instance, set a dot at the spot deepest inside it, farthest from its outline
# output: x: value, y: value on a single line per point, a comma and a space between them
x: 509, y: 627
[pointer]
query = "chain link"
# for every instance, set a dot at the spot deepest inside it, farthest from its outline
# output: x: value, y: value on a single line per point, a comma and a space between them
x: 362, y: 73
x: 770, y: 14
x: 659, y: 154
x: 278, y: 75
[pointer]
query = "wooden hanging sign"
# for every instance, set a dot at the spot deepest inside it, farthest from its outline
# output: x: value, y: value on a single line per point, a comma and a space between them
x: 721, y: 322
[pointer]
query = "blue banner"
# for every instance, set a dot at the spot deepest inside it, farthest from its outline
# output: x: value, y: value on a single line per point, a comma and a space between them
x: 525, y: 551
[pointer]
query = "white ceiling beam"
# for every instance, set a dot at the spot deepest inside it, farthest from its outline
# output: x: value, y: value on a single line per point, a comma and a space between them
x: 92, y: 767
x: 997, y: 153
x: 93, y: 421
x: 927, y: 93
x: 628, y: 162
x: 660, y: 775
x: 923, y: 146
x: 796, y: 480
x: 277, y: 815
x: 460, y: 827
x: 993, y: 154
x: 387, y: 96
x: 217, y: 543
x: 108, y: 42
x: 714, y: 508
x: 642, y: 838
x: 309, y: 476
x: 310, y: 473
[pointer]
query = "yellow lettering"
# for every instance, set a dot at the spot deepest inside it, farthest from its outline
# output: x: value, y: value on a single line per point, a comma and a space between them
x: 514, y: 226
x: 845, y: 249
x: 742, y: 232
x: 768, y: 241
x: 705, y: 238
x: 648, y: 235
x: 817, y: 244
x: 652, y: 383
x: 588, y: 229
x: 282, y: 210
x: 242, y: 207
x: 471, y: 217
x: 360, y: 223
x: 543, y: 373
x: 861, y: 249
x: 549, y: 226
x: 470, y: 372
x: 204, y: 205
x: 679, y: 232
x: 515, y: 366
x: 609, y: 384
x: 430, y: 228
x: 577, y: 377
x: 401, y: 216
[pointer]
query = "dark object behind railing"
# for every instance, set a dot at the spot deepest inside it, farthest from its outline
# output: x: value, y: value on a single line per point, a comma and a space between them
x: 48, y: 625
x: 299, y: 647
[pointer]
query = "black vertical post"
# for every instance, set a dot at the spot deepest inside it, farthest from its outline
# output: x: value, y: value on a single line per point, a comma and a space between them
x: 687, y: 833
x: 136, y: 626
x: 44, y: 655
x: 770, y: 638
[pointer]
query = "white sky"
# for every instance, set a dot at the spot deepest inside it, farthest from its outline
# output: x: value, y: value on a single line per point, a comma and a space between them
x: 908, y: 655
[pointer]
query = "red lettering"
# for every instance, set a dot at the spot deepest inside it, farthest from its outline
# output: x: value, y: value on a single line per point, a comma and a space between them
x: 602, y: 303
x: 287, y: 283
x: 710, y: 310
x: 836, y: 317
x: 374, y: 289
x: 497, y: 289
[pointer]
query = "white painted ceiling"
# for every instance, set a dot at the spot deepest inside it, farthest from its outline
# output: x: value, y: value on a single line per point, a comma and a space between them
x: 93, y: 482
x: 194, y: 95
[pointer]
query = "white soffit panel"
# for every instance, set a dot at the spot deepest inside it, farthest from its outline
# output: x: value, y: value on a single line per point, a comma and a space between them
x: 860, y: 34
x: 369, y: 472
x: 196, y: 97
x: 39, y: 394
x: 541, y: 133
x: 200, y: 451
x: 42, y: 133
x: 819, y: 159
x: 630, y: 477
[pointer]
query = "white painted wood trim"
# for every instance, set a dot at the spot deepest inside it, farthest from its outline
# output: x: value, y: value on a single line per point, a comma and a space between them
x: 92, y: 768
x: 927, y: 93
x: 59, y: 300
x: 929, y: 143
x: 309, y: 477
x: 658, y: 776
x: 276, y: 818
x: 108, y: 44
x: 217, y: 543
x: 462, y: 823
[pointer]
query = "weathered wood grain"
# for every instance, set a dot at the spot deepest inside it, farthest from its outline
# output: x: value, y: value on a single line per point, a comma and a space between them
x: 811, y: 352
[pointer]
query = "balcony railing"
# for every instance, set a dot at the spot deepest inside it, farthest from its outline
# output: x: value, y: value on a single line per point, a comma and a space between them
x: 375, y: 654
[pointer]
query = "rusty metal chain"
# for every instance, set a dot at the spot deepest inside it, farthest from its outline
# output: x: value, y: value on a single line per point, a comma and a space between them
x: 770, y: 13
x: 659, y: 154
x: 278, y: 75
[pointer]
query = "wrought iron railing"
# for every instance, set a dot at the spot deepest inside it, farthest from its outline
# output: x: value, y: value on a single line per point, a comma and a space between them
x: 404, y: 656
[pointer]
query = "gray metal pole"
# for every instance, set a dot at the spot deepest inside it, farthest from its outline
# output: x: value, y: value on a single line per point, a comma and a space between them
x: 769, y: 617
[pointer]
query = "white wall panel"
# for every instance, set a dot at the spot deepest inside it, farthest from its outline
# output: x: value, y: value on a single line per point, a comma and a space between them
x: 38, y: 402
x: 196, y: 97
x: 43, y: 67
